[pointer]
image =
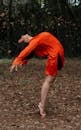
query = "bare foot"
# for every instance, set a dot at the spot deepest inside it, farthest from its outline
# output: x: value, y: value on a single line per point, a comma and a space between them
x: 42, y: 113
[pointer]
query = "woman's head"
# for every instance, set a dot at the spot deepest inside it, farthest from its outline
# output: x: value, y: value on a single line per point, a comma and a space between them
x: 25, y: 38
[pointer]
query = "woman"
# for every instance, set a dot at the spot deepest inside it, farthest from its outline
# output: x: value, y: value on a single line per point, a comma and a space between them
x: 45, y: 45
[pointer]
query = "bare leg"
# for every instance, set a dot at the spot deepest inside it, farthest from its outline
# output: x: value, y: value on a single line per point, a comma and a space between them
x: 44, y: 91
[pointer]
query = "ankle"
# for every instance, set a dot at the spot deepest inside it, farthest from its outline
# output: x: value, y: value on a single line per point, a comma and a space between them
x: 41, y: 105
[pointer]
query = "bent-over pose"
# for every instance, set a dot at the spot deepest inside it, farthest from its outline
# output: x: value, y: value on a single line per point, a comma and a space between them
x: 44, y: 45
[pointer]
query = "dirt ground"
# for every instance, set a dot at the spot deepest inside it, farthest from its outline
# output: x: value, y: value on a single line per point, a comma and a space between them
x: 20, y: 94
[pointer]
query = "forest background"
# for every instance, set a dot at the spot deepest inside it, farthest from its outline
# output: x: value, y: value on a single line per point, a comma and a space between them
x: 60, y: 17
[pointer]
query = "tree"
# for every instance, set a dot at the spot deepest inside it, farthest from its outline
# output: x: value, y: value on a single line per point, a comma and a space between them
x: 1, y: 2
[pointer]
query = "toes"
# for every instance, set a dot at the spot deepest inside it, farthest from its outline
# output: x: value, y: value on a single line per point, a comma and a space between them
x: 42, y: 113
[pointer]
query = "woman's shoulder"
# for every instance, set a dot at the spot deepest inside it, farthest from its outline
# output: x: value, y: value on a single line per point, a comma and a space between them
x: 44, y: 34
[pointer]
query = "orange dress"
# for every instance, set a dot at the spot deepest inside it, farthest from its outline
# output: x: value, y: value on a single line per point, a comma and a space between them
x: 44, y: 44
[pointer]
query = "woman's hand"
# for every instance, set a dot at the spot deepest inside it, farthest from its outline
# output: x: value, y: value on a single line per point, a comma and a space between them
x: 14, y: 68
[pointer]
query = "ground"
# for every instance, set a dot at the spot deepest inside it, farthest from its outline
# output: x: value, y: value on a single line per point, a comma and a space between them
x: 20, y: 94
